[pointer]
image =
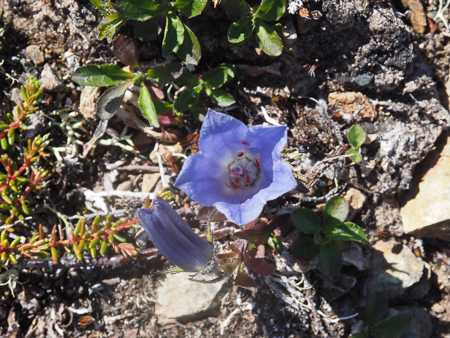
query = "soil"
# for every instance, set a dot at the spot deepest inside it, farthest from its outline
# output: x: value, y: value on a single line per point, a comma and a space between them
x: 364, y: 49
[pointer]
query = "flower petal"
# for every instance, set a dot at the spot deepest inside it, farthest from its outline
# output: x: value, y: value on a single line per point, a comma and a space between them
x: 226, y: 143
x: 173, y: 237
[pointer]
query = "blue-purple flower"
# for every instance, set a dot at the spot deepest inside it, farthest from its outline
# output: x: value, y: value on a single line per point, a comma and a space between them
x: 238, y: 168
x: 173, y: 237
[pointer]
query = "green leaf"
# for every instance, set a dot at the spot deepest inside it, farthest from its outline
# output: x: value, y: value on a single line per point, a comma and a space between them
x: 363, y: 334
x: 268, y: 39
x: 305, y: 249
x: 111, y: 100
x: 320, y: 238
x: 241, y: 29
x: 335, y: 212
x: 140, y: 10
x: 271, y: 10
x: 96, y: 3
x: 147, y: 106
x: 393, y: 327
x: 187, y: 79
x: 100, y: 76
x: 161, y: 106
x: 187, y: 99
x: 221, y: 97
x: 356, y: 136
x: 189, y: 51
x: 356, y: 155
x: 348, y: 231
x: 218, y: 76
x: 306, y: 220
x: 190, y: 8
x: 110, y: 29
x: 236, y: 7
x: 376, y: 307
x: 330, y: 260
x: 165, y: 74
x: 173, y: 34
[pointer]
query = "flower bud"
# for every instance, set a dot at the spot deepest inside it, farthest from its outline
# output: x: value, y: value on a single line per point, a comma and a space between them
x: 173, y: 237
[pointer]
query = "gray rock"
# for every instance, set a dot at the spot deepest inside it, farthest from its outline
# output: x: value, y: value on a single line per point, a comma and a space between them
x: 51, y: 81
x: 36, y: 55
x: 428, y: 213
x: 184, y: 300
x: 395, y: 268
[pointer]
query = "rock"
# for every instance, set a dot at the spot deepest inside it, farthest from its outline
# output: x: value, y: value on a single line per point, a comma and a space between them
x: 149, y: 181
x: 428, y: 213
x: 36, y: 55
x: 184, y: 300
x: 438, y: 308
x: 354, y: 256
x: 420, y: 327
x: 356, y: 199
x: 51, y: 81
x: 125, y: 186
x: 417, y: 16
x: 351, y: 103
x: 16, y: 96
x: 395, y: 268
x: 88, y: 100
x: 164, y: 151
x: 341, y: 284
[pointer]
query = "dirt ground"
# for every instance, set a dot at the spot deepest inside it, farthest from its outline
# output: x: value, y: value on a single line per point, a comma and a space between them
x: 360, y: 49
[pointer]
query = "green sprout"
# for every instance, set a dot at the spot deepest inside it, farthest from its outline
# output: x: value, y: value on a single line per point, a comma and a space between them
x: 328, y: 236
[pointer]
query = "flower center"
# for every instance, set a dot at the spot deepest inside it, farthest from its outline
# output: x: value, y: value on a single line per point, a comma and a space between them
x: 243, y: 171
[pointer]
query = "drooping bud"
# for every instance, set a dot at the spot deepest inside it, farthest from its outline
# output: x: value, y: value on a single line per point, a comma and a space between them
x: 173, y: 237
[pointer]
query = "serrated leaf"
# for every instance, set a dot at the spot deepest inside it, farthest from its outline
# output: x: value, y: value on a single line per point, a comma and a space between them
x: 147, y: 107
x: 348, y: 231
x: 305, y: 249
x: 100, y: 76
x: 335, y: 212
x: 393, y: 327
x: 218, y: 76
x: 306, y: 220
x: 140, y: 10
x: 187, y: 99
x: 330, y: 260
x: 114, y: 29
x: 356, y: 136
x: 271, y: 10
x: 126, y: 51
x: 167, y: 73
x: 190, y: 8
x: 241, y: 29
x: 236, y: 7
x: 356, y: 155
x: 221, y: 97
x: 110, y: 29
x: 111, y: 100
x: 173, y: 34
x: 189, y: 51
x: 268, y: 40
